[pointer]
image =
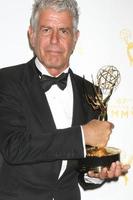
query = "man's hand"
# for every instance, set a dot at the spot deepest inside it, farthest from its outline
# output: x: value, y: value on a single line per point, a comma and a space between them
x: 116, y: 169
x: 97, y: 133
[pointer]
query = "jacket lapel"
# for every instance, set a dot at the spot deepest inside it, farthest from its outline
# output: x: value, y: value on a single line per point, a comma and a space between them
x: 79, y: 111
x: 37, y: 98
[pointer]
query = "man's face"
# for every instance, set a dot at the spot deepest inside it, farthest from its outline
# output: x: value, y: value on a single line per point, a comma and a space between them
x: 54, y: 39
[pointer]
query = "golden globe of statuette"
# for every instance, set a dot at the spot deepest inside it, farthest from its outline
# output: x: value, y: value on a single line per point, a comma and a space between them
x: 108, y: 78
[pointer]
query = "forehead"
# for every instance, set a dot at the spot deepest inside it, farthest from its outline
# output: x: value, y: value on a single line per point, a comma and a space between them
x: 52, y: 17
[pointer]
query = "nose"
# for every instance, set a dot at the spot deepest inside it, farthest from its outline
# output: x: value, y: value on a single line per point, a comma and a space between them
x: 54, y: 37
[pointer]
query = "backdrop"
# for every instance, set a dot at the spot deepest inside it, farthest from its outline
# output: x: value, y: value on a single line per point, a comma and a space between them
x: 106, y: 38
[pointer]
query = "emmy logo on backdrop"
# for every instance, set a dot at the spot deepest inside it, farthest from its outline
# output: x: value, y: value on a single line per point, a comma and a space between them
x: 125, y: 35
x: 108, y: 78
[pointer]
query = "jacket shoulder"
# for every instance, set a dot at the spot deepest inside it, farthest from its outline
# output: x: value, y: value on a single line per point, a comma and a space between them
x: 85, y: 84
x: 13, y: 73
x: 12, y: 70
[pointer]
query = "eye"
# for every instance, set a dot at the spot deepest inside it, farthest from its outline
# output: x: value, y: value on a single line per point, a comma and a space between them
x: 64, y: 32
x: 45, y: 30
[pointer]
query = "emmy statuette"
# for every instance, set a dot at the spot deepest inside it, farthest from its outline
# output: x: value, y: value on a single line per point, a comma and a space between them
x: 108, y: 78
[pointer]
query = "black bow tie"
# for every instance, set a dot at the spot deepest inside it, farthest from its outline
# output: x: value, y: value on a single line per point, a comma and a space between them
x: 48, y: 81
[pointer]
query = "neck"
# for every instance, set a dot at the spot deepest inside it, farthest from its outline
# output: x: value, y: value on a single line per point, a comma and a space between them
x: 55, y: 72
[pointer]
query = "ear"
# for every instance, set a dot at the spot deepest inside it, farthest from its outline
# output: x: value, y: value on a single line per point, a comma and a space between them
x: 31, y: 36
x: 76, y: 36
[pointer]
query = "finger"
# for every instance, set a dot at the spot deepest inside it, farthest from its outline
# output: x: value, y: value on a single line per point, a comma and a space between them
x: 103, y: 174
x: 111, y: 172
x: 111, y: 125
x: 92, y: 174
x: 118, y: 169
x: 125, y: 168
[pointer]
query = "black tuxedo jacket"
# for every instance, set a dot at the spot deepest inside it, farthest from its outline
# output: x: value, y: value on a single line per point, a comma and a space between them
x: 32, y: 147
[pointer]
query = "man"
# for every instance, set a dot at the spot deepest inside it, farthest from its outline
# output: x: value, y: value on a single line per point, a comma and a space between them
x: 44, y: 129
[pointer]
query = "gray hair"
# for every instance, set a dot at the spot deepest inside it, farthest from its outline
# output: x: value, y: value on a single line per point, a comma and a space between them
x: 58, y: 5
